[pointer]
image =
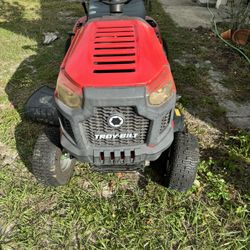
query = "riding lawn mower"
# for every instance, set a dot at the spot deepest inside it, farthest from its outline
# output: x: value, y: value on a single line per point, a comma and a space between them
x: 114, y: 105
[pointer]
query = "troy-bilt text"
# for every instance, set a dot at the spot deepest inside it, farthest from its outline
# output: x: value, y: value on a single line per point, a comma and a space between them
x: 115, y: 136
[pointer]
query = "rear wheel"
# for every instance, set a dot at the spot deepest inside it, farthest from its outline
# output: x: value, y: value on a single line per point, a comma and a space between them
x: 50, y: 165
x: 184, y: 159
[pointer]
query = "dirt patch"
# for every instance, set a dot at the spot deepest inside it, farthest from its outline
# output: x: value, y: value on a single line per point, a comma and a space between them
x: 208, y: 136
x: 238, y: 114
x: 7, y: 156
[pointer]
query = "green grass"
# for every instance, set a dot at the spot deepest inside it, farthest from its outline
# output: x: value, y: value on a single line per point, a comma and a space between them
x: 214, y: 214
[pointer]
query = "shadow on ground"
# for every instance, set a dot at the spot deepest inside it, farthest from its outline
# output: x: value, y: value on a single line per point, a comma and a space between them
x: 39, y: 69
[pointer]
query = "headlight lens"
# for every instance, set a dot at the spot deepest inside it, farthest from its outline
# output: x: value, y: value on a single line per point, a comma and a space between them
x: 162, y: 95
x: 68, y: 93
x: 162, y: 88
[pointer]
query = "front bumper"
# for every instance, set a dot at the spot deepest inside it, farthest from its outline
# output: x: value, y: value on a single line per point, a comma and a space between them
x: 76, y: 142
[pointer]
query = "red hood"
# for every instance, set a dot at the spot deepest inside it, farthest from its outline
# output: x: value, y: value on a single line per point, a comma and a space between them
x: 115, y: 53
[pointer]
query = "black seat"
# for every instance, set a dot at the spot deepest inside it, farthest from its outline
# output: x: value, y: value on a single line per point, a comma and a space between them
x: 134, y: 8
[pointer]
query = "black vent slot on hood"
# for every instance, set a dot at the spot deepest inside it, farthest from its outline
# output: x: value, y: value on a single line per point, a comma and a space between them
x: 109, y: 71
x: 114, y: 50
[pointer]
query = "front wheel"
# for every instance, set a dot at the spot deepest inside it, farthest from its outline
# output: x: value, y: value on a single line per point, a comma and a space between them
x: 50, y: 165
x: 184, y: 159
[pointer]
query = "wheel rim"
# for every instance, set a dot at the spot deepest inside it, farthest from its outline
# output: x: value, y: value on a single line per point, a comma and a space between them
x: 63, y: 161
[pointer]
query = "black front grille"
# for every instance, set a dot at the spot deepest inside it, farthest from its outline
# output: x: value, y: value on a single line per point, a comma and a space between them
x: 67, y: 126
x: 133, y: 123
x: 165, y: 122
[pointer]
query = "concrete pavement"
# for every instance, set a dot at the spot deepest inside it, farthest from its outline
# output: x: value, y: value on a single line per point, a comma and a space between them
x: 187, y: 13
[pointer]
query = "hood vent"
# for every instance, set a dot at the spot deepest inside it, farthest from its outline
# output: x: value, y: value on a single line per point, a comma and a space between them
x: 114, y: 50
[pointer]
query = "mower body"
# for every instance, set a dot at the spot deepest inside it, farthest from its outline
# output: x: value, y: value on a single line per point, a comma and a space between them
x: 114, y: 102
x: 114, y: 63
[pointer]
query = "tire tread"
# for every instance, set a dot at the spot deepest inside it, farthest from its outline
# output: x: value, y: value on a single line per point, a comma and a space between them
x: 184, y: 159
x: 43, y: 162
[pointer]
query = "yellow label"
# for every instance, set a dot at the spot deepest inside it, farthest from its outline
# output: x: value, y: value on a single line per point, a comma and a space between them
x: 177, y: 112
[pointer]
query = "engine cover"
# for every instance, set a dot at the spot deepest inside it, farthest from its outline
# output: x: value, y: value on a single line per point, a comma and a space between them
x: 115, y: 53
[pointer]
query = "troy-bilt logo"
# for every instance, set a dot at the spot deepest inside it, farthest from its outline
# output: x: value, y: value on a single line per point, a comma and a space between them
x: 116, y: 121
x: 116, y: 136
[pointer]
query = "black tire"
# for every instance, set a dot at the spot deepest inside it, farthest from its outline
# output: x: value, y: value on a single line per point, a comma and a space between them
x: 49, y: 164
x: 184, y: 159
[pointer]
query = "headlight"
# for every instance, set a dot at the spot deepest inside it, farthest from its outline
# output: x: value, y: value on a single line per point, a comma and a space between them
x: 68, y: 93
x: 163, y: 88
x: 162, y: 95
